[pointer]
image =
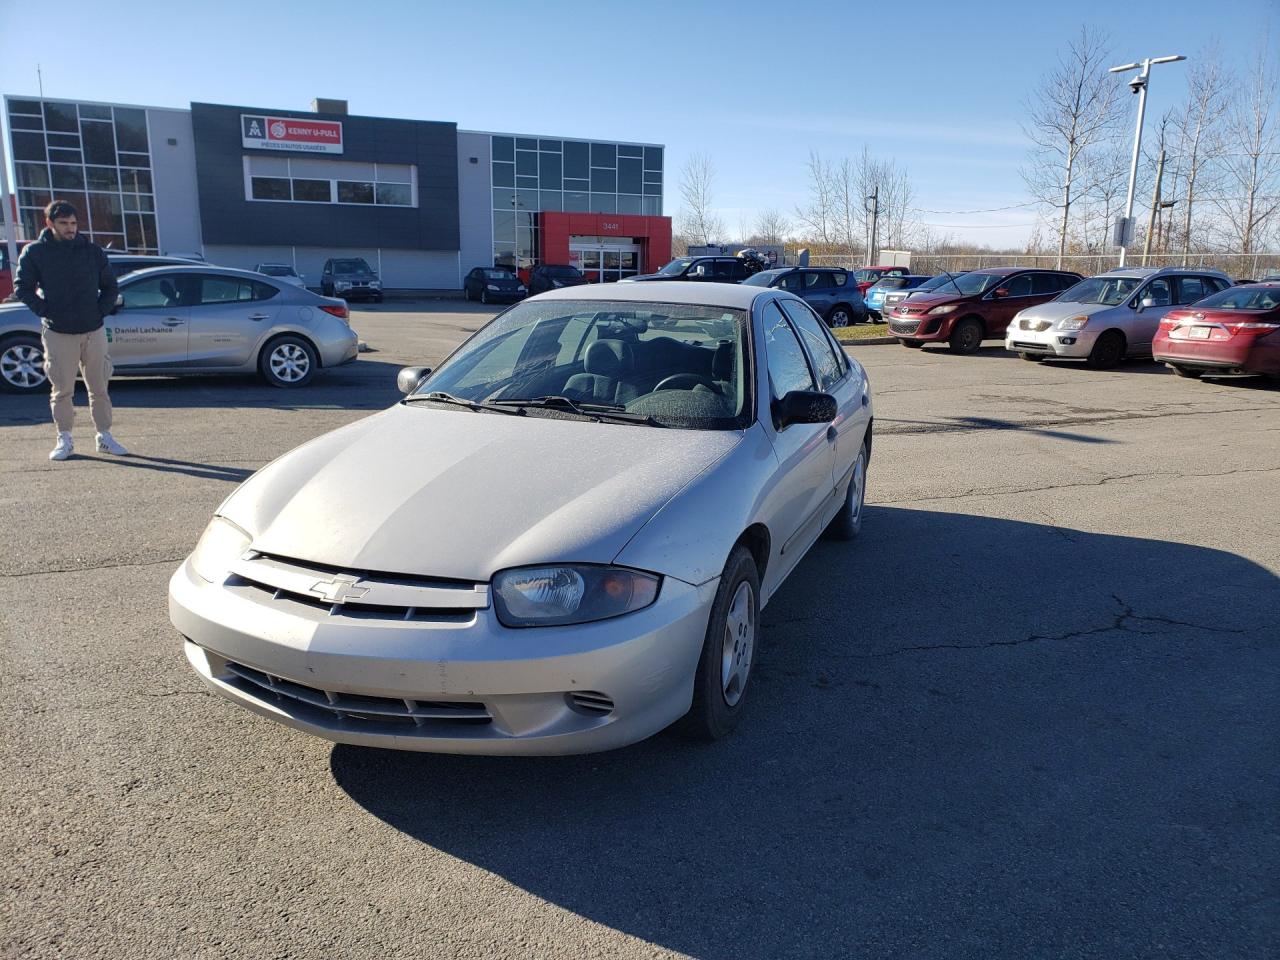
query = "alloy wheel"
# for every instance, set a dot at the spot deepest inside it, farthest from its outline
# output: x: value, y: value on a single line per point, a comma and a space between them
x: 289, y: 362
x: 22, y: 366
x: 839, y: 318
x: 738, y: 645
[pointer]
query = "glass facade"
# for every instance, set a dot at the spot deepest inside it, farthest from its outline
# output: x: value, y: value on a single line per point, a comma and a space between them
x: 97, y: 157
x: 529, y: 175
x: 311, y: 180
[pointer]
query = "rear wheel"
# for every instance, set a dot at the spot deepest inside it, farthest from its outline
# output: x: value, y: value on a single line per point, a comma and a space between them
x: 22, y: 364
x: 728, y: 652
x: 1107, y: 351
x: 466, y: 293
x: 912, y: 344
x: 484, y: 295
x: 847, y: 524
x: 1189, y: 372
x: 288, y: 361
x: 966, y: 336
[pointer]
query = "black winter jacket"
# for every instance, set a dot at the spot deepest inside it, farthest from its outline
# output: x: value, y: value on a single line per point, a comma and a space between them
x: 77, y: 286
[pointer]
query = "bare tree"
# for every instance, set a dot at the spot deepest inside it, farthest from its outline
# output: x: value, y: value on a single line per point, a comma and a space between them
x: 1251, y: 171
x: 850, y: 203
x: 1198, y: 134
x: 698, y: 220
x: 1106, y: 179
x: 1072, y: 108
x: 894, y: 196
x: 771, y: 227
x: 818, y: 213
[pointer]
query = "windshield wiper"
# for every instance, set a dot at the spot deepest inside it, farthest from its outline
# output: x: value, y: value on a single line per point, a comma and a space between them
x: 593, y: 411
x: 439, y: 396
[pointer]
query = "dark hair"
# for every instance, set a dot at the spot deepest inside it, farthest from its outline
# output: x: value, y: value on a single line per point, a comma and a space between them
x: 59, y: 209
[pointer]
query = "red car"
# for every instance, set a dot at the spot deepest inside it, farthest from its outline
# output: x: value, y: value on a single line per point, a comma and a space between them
x: 869, y: 276
x: 974, y: 306
x: 6, y: 273
x: 1235, y: 332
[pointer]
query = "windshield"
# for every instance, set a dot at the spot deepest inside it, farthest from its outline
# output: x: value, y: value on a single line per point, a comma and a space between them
x: 969, y: 284
x: 682, y: 366
x: 764, y: 278
x: 357, y: 267
x: 942, y: 281
x: 868, y: 276
x: 675, y: 267
x: 492, y: 274
x: 1109, y: 291
x: 891, y: 283
x: 1242, y: 298
x: 276, y: 270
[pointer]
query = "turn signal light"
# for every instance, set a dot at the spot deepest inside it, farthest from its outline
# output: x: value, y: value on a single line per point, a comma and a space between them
x: 338, y: 310
x: 1251, y: 328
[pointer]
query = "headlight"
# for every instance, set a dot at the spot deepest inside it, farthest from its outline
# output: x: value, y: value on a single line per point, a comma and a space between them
x: 491, y: 286
x: 221, y: 545
x: 375, y: 284
x: 938, y: 311
x: 559, y: 595
x: 519, y: 288
x: 1073, y: 323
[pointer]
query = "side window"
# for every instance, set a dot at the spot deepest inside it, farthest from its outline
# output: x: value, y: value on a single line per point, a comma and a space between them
x: 788, y: 369
x: 1019, y: 286
x: 828, y: 365
x: 722, y: 269
x: 839, y: 278
x: 154, y: 292
x: 793, y: 282
x: 1158, y: 292
x: 263, y: 291
x: 218, y: 290
x: 1045, y: 283
x: 738, y: 270
x: 1191, y: 289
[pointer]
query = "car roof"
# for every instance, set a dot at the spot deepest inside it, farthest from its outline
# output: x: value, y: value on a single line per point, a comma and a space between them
x: 664, y: 291
x: 1141, y: 273
x: 200, y: 267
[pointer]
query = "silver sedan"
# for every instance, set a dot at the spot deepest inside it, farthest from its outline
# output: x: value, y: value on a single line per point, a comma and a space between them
x: 559, y: 542
x: 198, y: 319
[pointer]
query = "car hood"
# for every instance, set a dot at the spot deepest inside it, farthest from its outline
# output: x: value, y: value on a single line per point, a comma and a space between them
x: 454, y: 493
x: 1056, y: 310
x: 653, y: 276
x: 931, y: 300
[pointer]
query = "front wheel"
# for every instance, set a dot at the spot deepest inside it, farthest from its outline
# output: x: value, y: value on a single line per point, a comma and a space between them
x: 847, y: 523
x: 840, y: 316
x: 1189, y: 372
x: 912, y: 344
x: 1029, y: 357
x: 966, y: 336
x: 22, y: 364
x: 288, y: 361
x: 1107, y: 351
x: 728, y: 652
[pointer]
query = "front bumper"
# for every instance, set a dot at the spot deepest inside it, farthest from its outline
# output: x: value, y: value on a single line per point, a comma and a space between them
x: 920, y: 327
x: 1067, y: 344
x: 459, y: 685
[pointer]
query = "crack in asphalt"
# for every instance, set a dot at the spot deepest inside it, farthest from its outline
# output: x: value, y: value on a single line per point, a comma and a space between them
x: 1103, y: 481
x: 912, y: 428
x: 88, y: 567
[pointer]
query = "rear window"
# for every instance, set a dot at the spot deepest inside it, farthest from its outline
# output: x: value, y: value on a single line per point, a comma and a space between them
x: 1243, y: 298
x: 569, y: 272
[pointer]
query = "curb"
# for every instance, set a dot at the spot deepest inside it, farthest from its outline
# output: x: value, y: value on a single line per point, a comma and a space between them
x: 868, y: 341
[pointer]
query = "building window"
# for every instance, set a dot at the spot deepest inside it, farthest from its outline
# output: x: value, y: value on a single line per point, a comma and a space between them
x: 309, y: 180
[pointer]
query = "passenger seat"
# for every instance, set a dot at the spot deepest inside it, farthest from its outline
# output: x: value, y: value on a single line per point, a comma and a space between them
x: 608, y: 363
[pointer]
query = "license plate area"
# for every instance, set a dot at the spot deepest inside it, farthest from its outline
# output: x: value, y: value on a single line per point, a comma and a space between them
x: 1201, y: 333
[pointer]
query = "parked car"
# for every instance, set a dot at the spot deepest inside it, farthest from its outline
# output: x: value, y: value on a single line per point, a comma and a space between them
x: 493, y: 285
x: 281, y: 271
x: 1106, y: 318
x: 974, y: 306
x: 894, y: 297
x: 123, y: 264
x: 1234, y: 332
x: 867, y: 276
x: 553, y: 276
x: 349, y: 278
x: 198, y: 319
x: 876, y: 293
x: 833, y: 294
x: 559, y: 542
x: 714, y: 269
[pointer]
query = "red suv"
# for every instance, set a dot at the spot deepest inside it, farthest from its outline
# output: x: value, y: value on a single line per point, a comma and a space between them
x: 973, y: 307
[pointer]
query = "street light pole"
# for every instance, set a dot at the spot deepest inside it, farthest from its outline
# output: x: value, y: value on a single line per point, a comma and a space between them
x: 1139, y: 86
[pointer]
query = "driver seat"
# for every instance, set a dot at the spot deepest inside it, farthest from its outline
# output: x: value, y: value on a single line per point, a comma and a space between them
x: 607, y: 363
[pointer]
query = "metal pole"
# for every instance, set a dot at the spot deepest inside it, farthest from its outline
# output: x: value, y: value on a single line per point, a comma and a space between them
x: 875, y: 216
x: 1155, y: 205
x: 1137, y: 147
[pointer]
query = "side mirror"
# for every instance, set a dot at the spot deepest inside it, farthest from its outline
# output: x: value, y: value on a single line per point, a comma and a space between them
x: 700, y: 270
x: 804, y: 406
x: 1147, y: 302
x: 408, y: 378
x: 119, y: 304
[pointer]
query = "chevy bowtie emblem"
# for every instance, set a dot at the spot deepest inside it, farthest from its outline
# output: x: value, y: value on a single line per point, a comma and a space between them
x: 340, y: 589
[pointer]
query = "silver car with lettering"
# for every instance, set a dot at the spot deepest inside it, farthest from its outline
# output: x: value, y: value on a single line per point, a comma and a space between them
x: 1108, y: 317
x: 558, y: 542
x: 198, y: 319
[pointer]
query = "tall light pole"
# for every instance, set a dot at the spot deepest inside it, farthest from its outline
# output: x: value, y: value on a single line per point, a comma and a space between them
x: 1139, y: 86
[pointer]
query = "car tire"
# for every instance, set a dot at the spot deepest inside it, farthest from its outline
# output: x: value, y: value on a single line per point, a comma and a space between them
x: 484, y: 296
x: 1029, y: 357
x: 841, y: 316
x: 466, y: 293
x: 912, y: 344
x: 22, y: 364
x: 847, y: 523
x: 1107, y: 351
x: 288, y: 361
x: 966, y: 336
x: 378, y: 298
x: 1191, y: 373
x: 729, y: 651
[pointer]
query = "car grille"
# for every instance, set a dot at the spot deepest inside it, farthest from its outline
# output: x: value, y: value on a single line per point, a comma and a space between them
x: 354, y: 709
x: 904, y: 326
x: 319, y: 590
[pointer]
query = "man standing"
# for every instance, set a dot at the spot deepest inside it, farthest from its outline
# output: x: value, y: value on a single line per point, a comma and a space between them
x: 76, y: 290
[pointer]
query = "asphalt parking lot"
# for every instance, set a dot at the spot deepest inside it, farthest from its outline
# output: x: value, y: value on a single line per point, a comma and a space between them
x: 1033, y: 711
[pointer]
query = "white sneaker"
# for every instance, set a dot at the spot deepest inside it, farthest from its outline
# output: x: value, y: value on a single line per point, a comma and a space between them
x: 108, y: 444
x: 64, y: 448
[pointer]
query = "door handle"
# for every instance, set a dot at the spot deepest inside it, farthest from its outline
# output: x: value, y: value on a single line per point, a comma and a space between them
x: 173, y: 322
x: 259, y: 316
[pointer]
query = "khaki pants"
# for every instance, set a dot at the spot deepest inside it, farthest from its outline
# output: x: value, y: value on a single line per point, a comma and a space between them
x: 64, y: 354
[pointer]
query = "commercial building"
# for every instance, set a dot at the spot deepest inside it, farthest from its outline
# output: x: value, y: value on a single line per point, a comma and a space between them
x: 422, y: 201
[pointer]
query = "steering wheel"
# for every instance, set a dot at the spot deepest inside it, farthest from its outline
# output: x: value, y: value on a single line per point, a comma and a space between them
x: 684, y: 381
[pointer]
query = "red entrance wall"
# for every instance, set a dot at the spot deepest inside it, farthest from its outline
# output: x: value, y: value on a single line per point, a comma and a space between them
x: 653, y: 234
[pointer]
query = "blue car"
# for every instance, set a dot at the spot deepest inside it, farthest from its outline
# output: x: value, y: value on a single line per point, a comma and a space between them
x: 875, y: 296
x: 832, y: 292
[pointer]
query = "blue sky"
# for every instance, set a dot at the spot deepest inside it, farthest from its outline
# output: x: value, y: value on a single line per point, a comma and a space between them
x: 755, y: 86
